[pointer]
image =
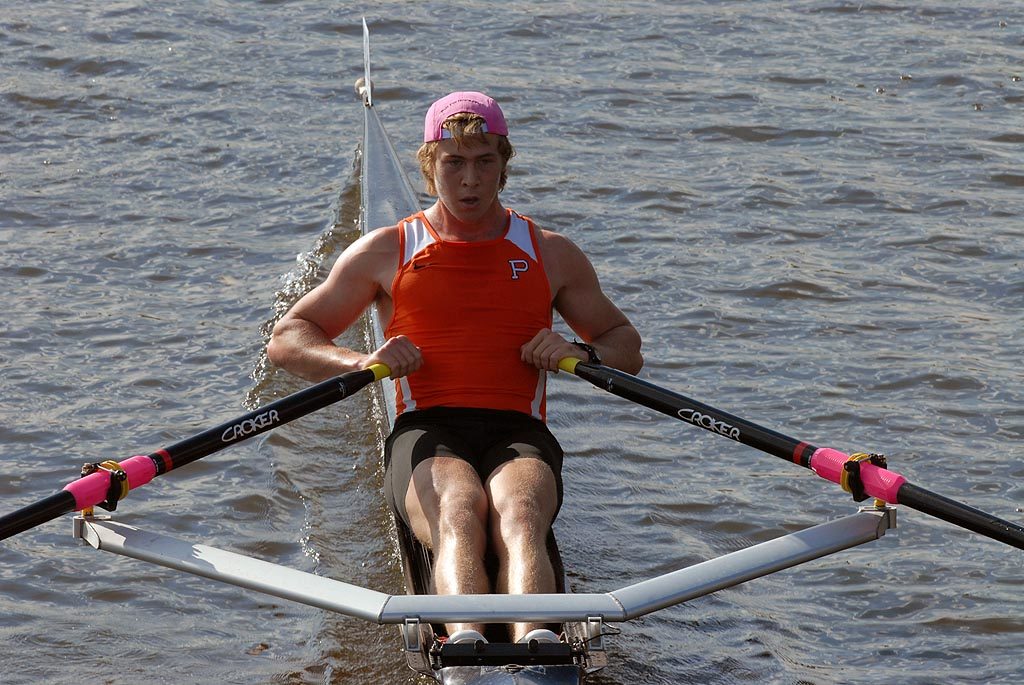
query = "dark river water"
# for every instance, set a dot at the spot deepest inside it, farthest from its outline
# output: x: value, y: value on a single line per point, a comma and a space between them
x: 813, y: 211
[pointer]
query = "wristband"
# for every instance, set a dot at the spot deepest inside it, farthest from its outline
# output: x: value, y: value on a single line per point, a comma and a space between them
x: 592, y: 356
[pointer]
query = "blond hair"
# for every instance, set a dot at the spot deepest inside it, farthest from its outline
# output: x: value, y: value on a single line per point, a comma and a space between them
x: 463, y: 127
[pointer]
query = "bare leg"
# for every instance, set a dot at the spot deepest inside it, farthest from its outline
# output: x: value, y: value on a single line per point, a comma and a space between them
x: 447, y: 509
x: 523, y: 498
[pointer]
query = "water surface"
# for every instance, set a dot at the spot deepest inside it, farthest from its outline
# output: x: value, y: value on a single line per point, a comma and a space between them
x: 811, y: 210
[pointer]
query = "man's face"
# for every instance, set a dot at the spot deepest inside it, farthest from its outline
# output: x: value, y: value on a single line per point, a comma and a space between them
x: 467, y: 177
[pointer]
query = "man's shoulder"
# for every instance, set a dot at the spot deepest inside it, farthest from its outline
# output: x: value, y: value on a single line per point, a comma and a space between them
x: 371, y: 254
x: 558, y: 244
x: 384, y: 238
x: 564, y: 261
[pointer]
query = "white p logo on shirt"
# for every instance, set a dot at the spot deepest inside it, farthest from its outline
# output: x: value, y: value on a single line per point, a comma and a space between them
x: 518, y: 266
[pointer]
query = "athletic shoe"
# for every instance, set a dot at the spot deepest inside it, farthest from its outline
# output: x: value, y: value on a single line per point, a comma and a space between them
x: 466, y: 636
x: 540, y: 635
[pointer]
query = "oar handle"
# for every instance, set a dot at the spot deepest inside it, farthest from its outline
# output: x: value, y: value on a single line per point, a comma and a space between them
x: 380, y: 371
x: 569, y: 364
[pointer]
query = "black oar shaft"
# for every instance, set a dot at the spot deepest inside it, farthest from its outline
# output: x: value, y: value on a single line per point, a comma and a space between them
x: 799, y: 452
x: 81, y: 494
x: 261, y: 420
x: 962, y: 515
x: 699, y: 414
x: 36, y: 514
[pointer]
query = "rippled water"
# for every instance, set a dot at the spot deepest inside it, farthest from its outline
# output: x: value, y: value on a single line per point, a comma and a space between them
x: 811, y: 210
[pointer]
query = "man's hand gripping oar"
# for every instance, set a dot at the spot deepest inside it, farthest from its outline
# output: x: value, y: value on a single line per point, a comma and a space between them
x: 862, y: 475
x: 106, y: 483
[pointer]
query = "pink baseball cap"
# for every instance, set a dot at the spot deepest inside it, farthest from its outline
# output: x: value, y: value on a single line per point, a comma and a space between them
x: 458, y: 103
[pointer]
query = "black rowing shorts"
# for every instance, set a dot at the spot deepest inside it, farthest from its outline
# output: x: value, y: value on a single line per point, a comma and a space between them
x: 480, y: 437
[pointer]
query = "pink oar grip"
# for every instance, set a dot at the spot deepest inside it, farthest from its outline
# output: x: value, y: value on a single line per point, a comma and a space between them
x: 92, y: 489
x: 878, y: 482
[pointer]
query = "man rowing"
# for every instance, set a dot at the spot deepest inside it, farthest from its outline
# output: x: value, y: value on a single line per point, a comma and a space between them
x: 465, y: 292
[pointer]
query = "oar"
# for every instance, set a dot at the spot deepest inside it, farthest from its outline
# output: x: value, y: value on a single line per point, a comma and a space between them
x: 860, y: 474
x: 110, y: 481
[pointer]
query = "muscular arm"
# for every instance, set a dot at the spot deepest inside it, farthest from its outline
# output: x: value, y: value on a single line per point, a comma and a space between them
x: 588, y: 311
x: 303, y: 339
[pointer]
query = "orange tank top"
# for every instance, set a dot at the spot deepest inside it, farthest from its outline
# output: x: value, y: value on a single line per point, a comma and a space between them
x: 469, y: 307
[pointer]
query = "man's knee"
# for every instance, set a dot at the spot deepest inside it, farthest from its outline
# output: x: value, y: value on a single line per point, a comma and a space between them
x: 462, y: 511
x: 522, y: 514
x: 445, y: 499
